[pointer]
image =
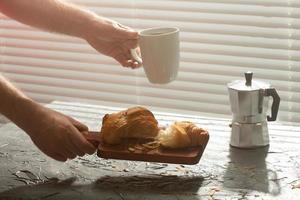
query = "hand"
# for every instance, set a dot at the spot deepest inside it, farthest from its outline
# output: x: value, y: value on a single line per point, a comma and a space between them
x: 57, y: 135
x: 113, y: 39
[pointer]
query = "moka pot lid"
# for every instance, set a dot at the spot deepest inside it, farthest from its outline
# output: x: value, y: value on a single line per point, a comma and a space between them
x: 248, y: 84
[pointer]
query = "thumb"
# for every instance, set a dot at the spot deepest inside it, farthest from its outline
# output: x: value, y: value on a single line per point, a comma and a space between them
x: 124, y: 32
x: 81, y: 127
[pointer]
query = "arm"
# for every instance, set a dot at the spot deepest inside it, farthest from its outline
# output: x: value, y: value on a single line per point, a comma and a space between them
x: 106, y: 36
x: 9, y: 99
x: 57, y: 135
x: 50, y: 15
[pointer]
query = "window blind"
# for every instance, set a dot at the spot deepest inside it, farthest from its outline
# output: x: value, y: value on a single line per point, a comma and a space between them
x: 220, y: 40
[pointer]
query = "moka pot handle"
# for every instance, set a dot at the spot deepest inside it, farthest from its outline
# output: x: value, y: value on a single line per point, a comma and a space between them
x: 275, y: 105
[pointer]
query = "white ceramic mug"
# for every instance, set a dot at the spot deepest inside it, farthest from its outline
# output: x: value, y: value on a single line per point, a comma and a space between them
x: 160, y: 53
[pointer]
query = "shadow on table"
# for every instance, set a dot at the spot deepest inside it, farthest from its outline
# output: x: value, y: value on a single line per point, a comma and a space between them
x: 247, y: 170
x: 154, y: 183
x: 110, y: 187
x: 49, y: 189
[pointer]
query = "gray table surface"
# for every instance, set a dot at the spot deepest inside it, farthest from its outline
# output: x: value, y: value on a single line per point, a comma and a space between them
x: 222, y: 173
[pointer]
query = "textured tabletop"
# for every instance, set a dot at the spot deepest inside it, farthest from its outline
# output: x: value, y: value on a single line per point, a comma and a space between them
x: 222, y: 173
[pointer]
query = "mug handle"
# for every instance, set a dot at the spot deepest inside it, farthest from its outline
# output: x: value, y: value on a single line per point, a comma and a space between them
x: 136, y: 56
x: 275, y: 105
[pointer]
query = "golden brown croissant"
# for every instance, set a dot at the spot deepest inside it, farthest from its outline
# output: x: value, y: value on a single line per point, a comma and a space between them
x: 135, y: 122
x: 139, y: 122
x: 182, y: 134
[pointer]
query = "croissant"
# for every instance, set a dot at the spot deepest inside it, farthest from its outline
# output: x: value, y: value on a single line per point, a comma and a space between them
x: 182, y: 134
x: 138, y: 122
x: 135, y: 122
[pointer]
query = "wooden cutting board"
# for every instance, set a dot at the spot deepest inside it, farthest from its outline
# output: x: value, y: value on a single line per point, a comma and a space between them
x: 132, y: 150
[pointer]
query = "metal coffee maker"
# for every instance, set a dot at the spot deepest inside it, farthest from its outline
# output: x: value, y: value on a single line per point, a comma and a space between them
x: 249, y: 101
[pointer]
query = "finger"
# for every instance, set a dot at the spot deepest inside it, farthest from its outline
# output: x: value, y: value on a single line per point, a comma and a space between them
x: 135, y: 63
x: 59, y: 157
x: 122, y: 59
x: 80, y: 142
x: 71, y: 156
x: 78, y: 125
x: 68, y: 154
x: 129, y: 62
x: 93, y: 138
x: 126, y: 59
x: 132, y: 64
x: 74, y: 149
